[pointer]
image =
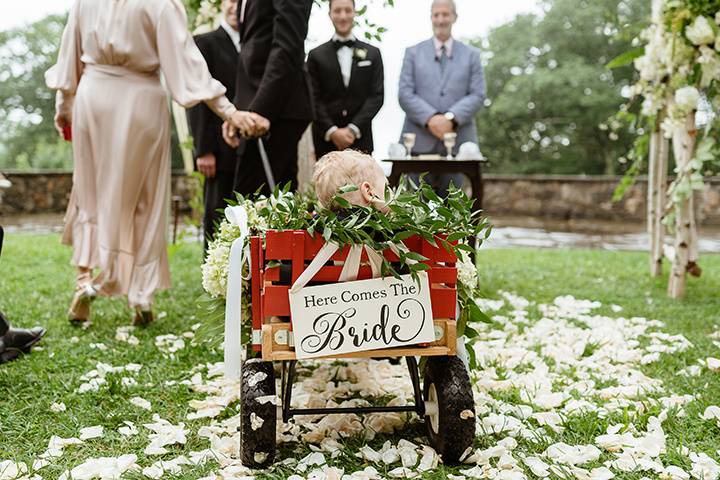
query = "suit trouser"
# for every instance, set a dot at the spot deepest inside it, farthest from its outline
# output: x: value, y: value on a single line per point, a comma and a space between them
x: 217, y: 190
x: 281, y: 147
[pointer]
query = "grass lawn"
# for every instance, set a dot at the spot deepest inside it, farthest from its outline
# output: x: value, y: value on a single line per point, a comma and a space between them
x: 36, y: 285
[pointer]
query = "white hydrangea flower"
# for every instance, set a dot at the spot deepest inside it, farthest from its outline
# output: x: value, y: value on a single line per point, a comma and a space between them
x: 700, y: 32
x: 466, y: 270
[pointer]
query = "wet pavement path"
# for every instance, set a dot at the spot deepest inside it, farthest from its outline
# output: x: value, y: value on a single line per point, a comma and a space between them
x: 508, y: 232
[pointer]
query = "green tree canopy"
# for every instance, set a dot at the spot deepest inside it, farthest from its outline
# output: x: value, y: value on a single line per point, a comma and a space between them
x: 549, y: 91
x: 27, y: 106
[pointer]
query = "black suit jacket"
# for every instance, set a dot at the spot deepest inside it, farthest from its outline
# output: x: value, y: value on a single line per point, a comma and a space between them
x: 335, y: 104
x: 206, y: 127
x: 272, y: 79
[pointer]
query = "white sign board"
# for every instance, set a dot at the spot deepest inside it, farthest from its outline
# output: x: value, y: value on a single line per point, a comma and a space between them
x: 361, y: 315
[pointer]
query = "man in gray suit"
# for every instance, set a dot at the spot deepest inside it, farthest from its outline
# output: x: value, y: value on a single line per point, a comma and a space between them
x: 442, y: 87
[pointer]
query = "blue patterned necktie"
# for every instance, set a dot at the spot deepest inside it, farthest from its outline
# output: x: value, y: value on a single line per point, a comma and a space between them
x: 443, y: 59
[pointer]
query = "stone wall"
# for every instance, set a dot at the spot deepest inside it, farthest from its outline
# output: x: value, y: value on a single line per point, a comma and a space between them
x: 49, y: 191
x: 568, y: 197
x: 543, y: 196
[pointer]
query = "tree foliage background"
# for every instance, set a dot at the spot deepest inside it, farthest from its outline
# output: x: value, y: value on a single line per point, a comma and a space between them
x: 27, y: 137
x: 549, y: 92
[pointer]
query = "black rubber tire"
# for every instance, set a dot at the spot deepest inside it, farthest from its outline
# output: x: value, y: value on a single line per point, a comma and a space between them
x: 454, y: 395
x: 262, y: 440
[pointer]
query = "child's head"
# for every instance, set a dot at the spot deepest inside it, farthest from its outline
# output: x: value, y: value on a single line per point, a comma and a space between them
x: 337, y: 169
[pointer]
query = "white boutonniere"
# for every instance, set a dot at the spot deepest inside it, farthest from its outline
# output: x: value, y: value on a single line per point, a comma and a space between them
x: 361, y: 53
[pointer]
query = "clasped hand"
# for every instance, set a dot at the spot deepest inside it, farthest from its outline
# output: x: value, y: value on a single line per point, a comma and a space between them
x: 247, y: 124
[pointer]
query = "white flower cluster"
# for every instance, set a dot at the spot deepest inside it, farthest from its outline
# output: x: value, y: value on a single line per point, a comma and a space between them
x: 467, y: 271
x: 215, y: 268
x: 208, y: 16
x: 667, y: 65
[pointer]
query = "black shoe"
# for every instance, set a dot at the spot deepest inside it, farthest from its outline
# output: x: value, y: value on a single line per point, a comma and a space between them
x: 17, y: 341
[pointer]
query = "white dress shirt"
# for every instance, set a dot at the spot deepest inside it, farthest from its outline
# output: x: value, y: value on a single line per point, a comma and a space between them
x: 438, y: 47
x: 232, y: 33
x: 242, y: 10
x: 345, y: 59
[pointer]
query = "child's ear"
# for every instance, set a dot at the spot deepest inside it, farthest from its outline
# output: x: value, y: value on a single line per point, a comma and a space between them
x: 367, y: 192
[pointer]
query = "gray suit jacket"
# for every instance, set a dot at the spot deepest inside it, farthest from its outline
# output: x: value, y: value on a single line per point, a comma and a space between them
x: 424, y: 91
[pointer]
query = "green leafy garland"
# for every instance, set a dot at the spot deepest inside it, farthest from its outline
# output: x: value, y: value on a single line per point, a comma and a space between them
x: 444, y: 222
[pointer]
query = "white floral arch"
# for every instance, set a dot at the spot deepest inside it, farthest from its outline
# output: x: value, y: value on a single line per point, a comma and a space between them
x: 679, y: 70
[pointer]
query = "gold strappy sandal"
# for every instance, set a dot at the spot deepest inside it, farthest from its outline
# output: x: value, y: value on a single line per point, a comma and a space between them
x: 79, y: 311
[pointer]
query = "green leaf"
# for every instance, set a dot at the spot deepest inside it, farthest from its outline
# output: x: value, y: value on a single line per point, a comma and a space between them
x: 400, y: 236
x: 475, y: 314
x: 415, y: 256
x: 348, y: 188
x: 626, y: 58
x: 453, y: 237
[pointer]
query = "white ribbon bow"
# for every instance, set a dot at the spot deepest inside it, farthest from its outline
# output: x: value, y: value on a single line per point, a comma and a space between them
x: 350, y: 269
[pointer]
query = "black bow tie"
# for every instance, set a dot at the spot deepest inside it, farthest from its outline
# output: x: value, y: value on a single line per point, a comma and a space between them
x: 346, y: 43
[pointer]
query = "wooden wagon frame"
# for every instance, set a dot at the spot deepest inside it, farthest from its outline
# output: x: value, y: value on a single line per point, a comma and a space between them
x: 276, y: 262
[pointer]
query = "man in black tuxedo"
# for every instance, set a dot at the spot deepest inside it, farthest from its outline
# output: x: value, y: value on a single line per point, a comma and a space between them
x: 215, y: 159
x: 272, y: 82
x: 347, y: 78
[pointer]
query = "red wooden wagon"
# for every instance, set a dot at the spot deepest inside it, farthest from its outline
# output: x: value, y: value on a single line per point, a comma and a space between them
x: 277, y: 260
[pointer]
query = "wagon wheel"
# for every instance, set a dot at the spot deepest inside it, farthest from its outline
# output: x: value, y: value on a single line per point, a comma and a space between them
x: 449, y: 407
x: 258, y: 413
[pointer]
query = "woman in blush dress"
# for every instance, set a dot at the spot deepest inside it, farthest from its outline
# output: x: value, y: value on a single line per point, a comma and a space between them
x: 110, y: 95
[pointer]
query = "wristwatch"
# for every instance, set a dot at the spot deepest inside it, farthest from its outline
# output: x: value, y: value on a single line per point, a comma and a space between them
x: 451, y: 116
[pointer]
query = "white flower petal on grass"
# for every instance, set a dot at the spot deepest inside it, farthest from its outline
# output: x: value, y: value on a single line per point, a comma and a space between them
x: 408, y: 453
x: 713, y: 364
x: 169, y: 344
x: 537, y: 466
x: 712, y: 413
x: 98, y: 346
x: 601, y: 473
x: 128, y: 382
x: 56, y: 446
x: 429, y: 459
x: 672, y: 472
x: 691, y: 371
x: 88, y: 433
x: 129, y: 429
x: 312, y: 459
x: 104, y: 467
x: 58, y: 407
x: 369, y: 454
x: 39, y: 464
x: 402, y: 472
x: 10, y: 470
x: 704, y: 467
x: 153, y: 471
x: 164, y: 434
x: 141, y: 402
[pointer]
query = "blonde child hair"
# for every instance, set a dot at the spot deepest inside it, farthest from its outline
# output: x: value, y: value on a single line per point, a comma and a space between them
x: 349, y: 167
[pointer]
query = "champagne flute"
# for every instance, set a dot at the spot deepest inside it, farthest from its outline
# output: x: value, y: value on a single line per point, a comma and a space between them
x: 449, y: 140
x: 409, y: 142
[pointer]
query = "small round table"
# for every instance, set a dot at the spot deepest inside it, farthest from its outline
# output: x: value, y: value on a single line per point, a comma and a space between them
x: 470, y: 167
